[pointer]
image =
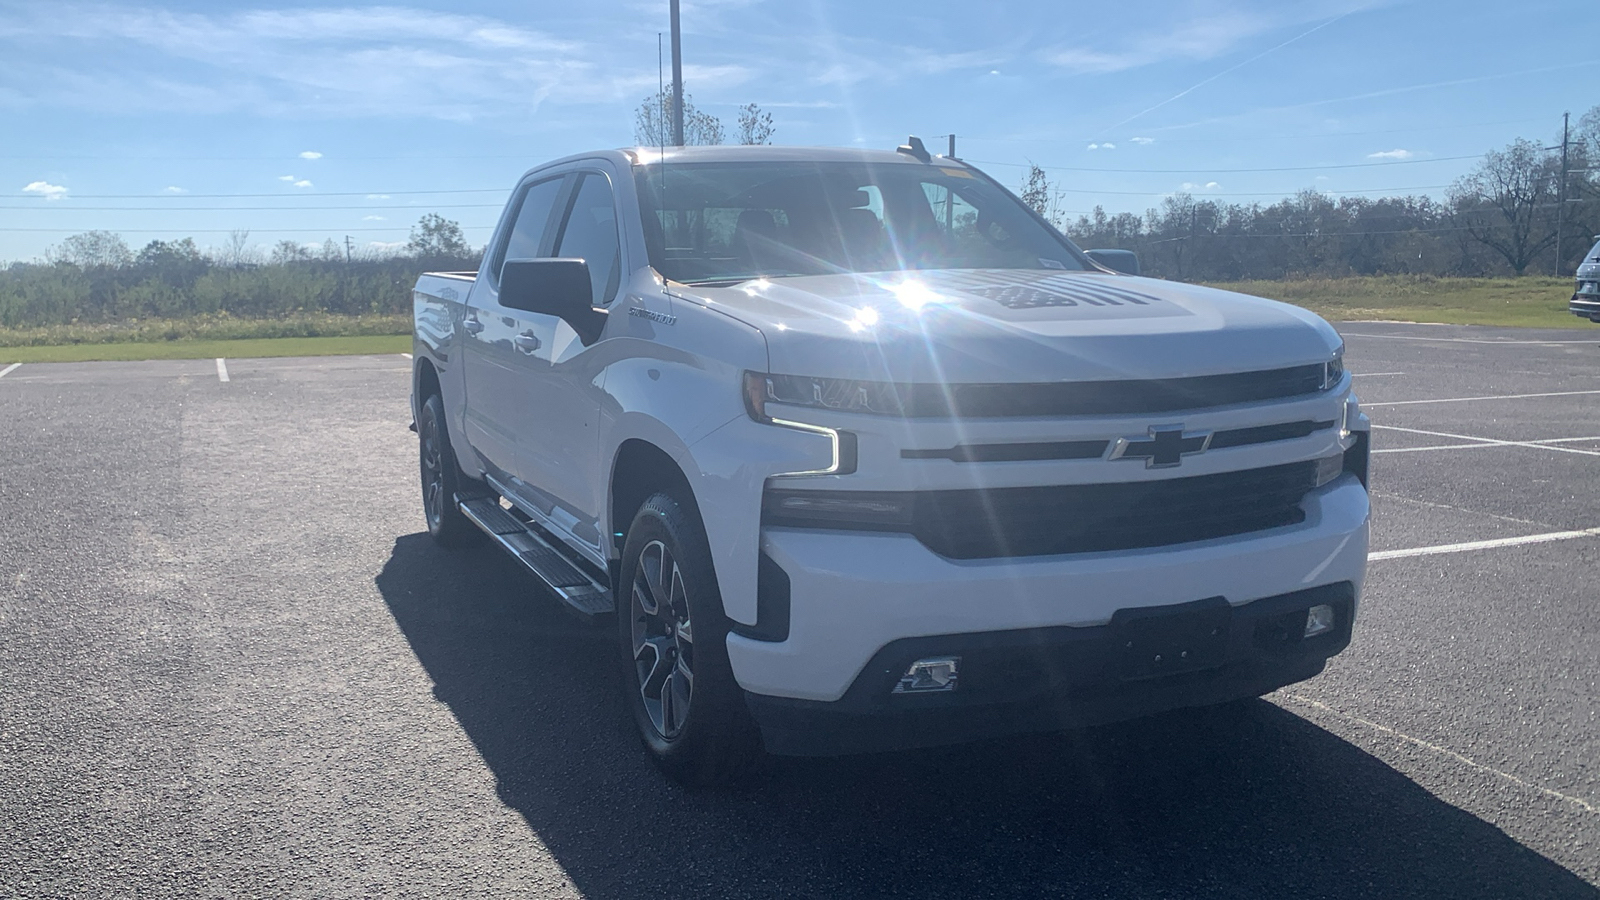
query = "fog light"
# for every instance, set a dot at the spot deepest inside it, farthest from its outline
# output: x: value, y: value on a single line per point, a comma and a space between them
x: 1319, y: 618
x: 936, y: 673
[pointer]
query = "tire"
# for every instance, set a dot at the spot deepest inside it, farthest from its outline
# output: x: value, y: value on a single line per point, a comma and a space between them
x: 441, y: 480
x: 672, y: 635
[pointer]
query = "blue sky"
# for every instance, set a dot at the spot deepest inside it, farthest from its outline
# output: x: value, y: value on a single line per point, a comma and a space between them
x: 157, y: 120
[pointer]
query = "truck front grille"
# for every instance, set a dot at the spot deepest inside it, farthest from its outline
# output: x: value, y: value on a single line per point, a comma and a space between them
x: 1035, y: 521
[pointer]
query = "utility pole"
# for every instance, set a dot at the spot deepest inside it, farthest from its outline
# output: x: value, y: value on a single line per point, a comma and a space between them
x: 952, y: 153
x: 1561, y: 205
x: 347, y: 249
x: 677, y: 79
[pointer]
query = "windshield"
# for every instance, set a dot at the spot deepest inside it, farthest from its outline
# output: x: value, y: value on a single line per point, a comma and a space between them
x: 730, y: 222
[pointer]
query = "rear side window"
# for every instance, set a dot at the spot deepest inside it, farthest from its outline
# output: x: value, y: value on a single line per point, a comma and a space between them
x: 533, y: 218
x: 591, y: 235
x: 1594, y: 253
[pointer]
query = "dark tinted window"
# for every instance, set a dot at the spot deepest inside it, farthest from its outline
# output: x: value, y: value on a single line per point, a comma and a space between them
x: 533, y: 216
x: 591, y: 235
x: 709, y: 222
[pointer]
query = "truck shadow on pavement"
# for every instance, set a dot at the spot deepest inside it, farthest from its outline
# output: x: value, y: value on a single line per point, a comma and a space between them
x: 1184, y: 806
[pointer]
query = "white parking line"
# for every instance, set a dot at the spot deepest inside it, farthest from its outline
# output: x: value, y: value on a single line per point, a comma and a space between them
x: 1469, y: 546
x: 9, y: 369
x: 222, y: 370
x: 1407, y: 337
x: 1444, y: 447
x: 406, y: 355
x: 1493, y: 442
x: 1374, y: 374
x: 1443, y: 751
x: 1469, y: 399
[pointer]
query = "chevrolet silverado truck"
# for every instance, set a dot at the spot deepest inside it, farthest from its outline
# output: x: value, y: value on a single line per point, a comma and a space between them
x: 856, y: 452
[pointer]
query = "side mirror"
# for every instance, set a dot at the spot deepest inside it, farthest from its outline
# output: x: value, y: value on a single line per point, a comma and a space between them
x: 554, y: 287
x: 1124, y: 261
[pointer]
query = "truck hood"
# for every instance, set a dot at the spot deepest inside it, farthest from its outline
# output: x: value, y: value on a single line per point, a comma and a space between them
x: 998, y: 326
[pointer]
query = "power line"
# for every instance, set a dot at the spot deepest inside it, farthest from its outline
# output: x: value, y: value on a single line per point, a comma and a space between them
x: 1260, y: 137
x: 59, y: 207
x: 374, y: 194
x: 230, y: 230
x: 1197, y: 169
x: 1420, y: 187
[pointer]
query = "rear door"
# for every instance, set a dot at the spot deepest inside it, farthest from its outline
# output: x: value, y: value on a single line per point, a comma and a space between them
x: 559, y: 440
x: 498, y: 342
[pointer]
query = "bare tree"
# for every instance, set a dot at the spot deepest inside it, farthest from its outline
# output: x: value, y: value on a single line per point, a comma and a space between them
x: 92, y: 249
x: 236, y: 252
x: 653, y: 122
x: 1508, y: 203
x: 755, y: 126
x: 1039, y: 195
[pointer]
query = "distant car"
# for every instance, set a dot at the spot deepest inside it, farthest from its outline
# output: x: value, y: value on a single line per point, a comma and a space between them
x: 1586, y: 298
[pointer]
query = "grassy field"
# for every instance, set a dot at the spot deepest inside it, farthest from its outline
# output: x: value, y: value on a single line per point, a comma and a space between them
x: 1530, y: 301
x: 206, y: 349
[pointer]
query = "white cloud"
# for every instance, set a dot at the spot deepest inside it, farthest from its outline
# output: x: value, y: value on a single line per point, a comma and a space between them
x: 285, y: 177
x: 1092, y: 147
x: 311, y: 154
x: 373, y: 219
x: 379, y: 60
x: 1391, y: 154
x: 386, y: 245
x: 994, y: 71
x: 1143, y: 141
x: 174, y: 189
x: 302, y: 183
x: 1192, y: 186
x: 1103, y: 145
x: 46, y: 190
x: 377, y: 196
x: 1321, y: 178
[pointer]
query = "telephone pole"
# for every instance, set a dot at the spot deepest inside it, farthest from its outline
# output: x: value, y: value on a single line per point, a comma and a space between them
x: 347, y: 250
x: 1561, y: 205
x: 677, y: 79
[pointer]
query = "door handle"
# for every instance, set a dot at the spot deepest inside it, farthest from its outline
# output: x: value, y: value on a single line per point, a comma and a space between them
x: 472, y: 326
x: 527, y: 342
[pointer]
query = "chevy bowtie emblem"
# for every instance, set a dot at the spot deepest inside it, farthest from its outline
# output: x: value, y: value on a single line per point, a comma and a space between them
x: 1166, y: 446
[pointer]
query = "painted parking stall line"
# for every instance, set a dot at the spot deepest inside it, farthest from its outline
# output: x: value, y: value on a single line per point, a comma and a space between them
x: 1471, y: 546
x: 222, y: 369
x: 1491, y: 442
x: 1447, y: 340
x: 9, y: 369
x: 1471, y: 399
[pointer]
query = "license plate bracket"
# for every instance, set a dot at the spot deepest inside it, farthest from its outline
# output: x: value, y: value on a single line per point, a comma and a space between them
x: 1157, y: 641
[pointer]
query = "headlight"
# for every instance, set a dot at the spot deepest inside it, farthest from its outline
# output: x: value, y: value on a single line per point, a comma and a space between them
x: 844, y: 394
x: 1333, y: 370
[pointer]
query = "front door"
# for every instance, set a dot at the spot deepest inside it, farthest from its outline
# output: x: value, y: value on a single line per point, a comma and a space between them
x: 496, y: 344
x: 558, y: 441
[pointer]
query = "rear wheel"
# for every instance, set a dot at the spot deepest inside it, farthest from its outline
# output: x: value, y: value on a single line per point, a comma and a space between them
x: 441, y: 479
x: 672, y: 632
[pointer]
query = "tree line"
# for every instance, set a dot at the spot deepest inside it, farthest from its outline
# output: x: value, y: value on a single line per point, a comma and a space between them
x: 1511, y: 215
x: 95, y: 277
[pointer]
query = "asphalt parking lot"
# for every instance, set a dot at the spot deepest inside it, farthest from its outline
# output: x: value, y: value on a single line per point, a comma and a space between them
x: 232, y: 664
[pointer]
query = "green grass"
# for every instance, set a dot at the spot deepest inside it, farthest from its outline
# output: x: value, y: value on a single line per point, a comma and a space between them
x: 1530, y: 301
x: 207, y: 349
x: 212, y: 327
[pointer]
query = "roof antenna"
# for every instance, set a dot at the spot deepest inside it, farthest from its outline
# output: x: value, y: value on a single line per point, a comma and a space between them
x: 913, y: 148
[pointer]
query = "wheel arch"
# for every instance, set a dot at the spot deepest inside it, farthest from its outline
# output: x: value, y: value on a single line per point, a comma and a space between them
x: 639, y: 469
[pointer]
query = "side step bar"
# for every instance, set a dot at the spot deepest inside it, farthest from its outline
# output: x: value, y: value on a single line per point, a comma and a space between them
x: 573, y: 586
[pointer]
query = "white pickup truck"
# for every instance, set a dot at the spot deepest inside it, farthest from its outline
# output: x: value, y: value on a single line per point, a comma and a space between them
x: 858, y: 453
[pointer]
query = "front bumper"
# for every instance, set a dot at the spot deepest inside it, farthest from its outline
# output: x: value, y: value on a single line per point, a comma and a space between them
x: 1048, y: 679
x: 853, y: 593
x: 1585, y: 305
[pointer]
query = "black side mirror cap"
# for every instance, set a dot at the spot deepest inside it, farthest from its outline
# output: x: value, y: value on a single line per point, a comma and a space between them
x: 1124, y: 261
x: 554, y: 287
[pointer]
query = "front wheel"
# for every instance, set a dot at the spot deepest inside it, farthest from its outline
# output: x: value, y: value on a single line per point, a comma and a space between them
x: 441, y: 479
x: 688, y: 708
